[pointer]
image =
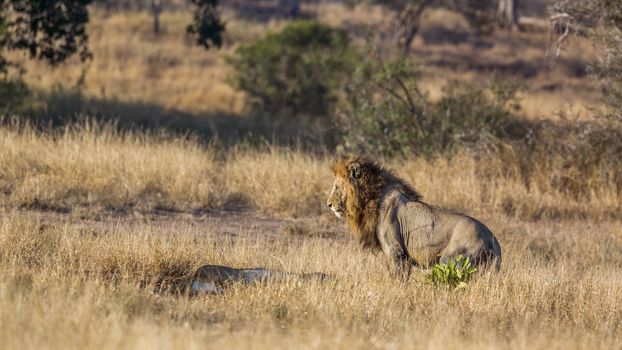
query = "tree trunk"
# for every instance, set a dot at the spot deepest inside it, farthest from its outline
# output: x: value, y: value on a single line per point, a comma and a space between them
x: 507, y: 14
x: 290, y: 7
x: 156, y: 8
x: 408, y: 22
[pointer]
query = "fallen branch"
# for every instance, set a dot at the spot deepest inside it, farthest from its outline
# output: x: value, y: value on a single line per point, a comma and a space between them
x: 566, y: 23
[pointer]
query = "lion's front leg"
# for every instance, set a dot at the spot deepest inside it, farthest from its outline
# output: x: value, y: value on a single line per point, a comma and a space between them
x: 400, y: 267
x: 393, y: 248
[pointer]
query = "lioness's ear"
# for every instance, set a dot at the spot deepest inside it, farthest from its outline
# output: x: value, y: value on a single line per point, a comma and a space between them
x: 355, y: 170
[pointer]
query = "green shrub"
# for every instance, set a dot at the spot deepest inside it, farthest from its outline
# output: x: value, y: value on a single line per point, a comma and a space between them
x: 382, y: 109
x: 3, y: 41
x: 453, y: 274
x: 13, y: 95
x: 295, y: 72
x: 472, y: 116
x: 385, y: 112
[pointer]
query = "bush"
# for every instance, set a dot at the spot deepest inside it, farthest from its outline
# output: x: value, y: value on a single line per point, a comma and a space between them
x: 382, y: 108
x: 295, y: 72
x: 384, y: 112
x: 470, y: 116
x: 13, y: 95
x: 572, y: 158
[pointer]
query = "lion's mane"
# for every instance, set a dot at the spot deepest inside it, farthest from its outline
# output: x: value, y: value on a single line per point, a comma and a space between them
x: 363, y: 198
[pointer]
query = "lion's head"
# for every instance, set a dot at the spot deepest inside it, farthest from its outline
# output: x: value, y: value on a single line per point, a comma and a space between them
x: 356, y: 191
x: 344, y: 185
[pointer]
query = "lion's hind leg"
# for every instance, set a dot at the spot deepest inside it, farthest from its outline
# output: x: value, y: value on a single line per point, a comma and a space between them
x: 260, y: 275
x: 483, y: 259
x: 206, y: 287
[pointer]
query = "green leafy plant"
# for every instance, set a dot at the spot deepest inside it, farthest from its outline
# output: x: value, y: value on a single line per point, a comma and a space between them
x: 453, y: 274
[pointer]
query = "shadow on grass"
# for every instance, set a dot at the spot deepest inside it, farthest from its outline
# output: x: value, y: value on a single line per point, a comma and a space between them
x: 60, y: 108
x: 267, y: 10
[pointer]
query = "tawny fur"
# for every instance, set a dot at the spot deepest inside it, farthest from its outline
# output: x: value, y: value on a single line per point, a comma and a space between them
x: 385, y: 213
x: 216, y: 278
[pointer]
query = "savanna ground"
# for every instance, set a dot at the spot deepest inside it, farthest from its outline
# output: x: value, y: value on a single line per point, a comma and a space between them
x: 92, y: 219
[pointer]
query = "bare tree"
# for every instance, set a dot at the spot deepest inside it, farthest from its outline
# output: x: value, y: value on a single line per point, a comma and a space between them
x: 408, y: 21
x: 480, y: 13
x: 507, y: 14
x: 601, y: 21
x: 156, y: 9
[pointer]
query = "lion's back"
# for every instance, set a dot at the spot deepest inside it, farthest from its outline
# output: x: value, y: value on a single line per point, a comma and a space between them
x: 430, y: 233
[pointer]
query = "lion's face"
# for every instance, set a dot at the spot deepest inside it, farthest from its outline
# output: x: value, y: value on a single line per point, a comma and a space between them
x: 337, y: 198
x: 347, y: 175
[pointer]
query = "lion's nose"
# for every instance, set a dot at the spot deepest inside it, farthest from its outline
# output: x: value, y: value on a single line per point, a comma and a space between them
x: 330, y: 204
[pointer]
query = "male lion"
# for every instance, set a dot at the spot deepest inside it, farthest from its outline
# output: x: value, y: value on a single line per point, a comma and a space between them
x: 384, y: 212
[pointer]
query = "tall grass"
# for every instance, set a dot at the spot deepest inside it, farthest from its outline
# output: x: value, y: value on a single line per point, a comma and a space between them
x: 71, y: 285
x: 95, y: 166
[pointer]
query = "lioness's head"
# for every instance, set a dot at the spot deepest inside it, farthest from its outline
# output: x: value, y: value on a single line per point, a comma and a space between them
x: 347, y: 173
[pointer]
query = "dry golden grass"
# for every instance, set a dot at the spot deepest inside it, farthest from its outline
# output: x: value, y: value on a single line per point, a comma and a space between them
x: 92, y: 165
x: 67, y: 281
x: 66, y: 284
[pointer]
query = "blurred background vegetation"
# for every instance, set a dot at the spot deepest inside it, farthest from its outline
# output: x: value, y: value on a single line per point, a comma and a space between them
x: 535, y: 81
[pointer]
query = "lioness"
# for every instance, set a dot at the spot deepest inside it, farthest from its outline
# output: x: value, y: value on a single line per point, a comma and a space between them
x: 215, y: 278
x: 384, y: 212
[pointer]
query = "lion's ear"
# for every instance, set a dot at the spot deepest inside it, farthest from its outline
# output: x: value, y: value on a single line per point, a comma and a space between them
x: 355, y: 170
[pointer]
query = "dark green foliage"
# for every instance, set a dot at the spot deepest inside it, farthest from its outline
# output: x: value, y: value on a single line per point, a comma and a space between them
x: 295, y: 72
x: 3, y: 37
x: 206, y: 26
x: 384, y: 112
x: 453, y: 274
x: 13, y: 94
x: 49, y: 29
x: 471, y: 116
x: 383, y: 109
